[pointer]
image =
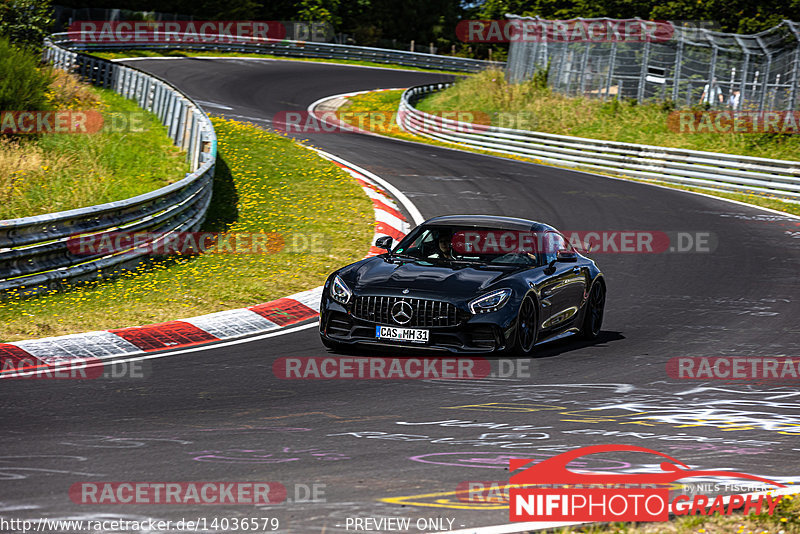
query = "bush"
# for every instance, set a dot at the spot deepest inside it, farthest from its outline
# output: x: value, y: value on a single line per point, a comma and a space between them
x: 22, y: 83
x: 25, y: 22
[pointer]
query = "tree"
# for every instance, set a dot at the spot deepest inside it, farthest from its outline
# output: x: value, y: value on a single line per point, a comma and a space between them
x: 318, y: 11
x: 25, y: 22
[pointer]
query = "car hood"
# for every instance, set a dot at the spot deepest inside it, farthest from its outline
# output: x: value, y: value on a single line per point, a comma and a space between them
x: 379, y: 276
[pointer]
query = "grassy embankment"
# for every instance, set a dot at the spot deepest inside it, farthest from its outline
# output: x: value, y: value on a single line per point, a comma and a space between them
x: 264, y: 183
x: 527, y: 106
x: 57, y: 171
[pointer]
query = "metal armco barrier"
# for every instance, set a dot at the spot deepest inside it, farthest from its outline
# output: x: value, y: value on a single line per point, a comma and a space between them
x: 294, y: 49
x: 34, y: 255
x: 706, y: 170
x: 757, y: 72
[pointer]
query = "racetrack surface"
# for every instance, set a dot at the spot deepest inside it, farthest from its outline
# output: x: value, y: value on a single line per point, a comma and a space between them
x: 221, y: 414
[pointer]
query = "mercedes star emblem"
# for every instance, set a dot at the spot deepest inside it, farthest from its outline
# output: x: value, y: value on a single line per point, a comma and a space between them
x: 401, y: 312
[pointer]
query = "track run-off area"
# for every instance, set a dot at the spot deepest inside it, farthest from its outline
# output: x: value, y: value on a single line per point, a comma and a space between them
x: 400, y: 448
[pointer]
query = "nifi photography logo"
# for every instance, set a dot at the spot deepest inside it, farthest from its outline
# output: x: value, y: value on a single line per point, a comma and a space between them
x: 590, y: 496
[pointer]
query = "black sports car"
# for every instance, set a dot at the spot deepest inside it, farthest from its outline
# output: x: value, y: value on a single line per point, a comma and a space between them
x: 465, y: 283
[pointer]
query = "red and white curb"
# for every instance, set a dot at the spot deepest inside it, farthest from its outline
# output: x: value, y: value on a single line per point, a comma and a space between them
x: 34, y: 354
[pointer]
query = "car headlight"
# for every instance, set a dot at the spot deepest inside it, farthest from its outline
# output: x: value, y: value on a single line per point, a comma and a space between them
x: 339, y: 290
x: 490, y: 302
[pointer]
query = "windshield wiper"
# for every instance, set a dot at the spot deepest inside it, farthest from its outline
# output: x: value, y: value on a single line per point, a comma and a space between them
x: 404, y: 256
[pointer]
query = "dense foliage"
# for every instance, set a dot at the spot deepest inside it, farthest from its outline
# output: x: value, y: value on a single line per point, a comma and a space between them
x: 25, y: 22
x: 426, y: 21
x: 23, y: 85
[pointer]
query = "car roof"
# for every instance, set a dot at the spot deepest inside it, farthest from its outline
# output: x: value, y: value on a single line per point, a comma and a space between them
x: 488, y: 221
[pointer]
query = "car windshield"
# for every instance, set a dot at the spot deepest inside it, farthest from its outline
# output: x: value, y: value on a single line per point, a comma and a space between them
x: 474, y: 245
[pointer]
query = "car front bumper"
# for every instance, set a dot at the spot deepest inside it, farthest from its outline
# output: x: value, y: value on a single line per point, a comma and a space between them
x: 484, y: 333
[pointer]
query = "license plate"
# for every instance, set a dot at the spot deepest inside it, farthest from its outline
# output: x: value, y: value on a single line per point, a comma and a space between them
x: 410, y: 335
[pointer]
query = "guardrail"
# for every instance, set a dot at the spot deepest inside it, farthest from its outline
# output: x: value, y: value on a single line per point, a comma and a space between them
x: 34, y: 253
x: 290, y: 49
x: 705, y: 170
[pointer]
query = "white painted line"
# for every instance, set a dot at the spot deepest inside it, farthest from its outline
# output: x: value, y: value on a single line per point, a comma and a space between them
x: 212, y: 104
x: 377, y: 196
x: 310, y: 298
x: 172, y: 353
x: 336, y: 123
x: 708, y: 195
x: 399, y: 195
x: 498, y: 156
x: 52, y: 350
x: 390, y: 220
x: 232, y: 323
x: 307, y: 60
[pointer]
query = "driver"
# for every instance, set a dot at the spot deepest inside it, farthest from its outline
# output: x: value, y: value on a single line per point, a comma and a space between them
x: 444, y: 249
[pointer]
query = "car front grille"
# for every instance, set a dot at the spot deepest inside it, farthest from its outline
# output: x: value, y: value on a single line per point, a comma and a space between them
x: 425, y: 313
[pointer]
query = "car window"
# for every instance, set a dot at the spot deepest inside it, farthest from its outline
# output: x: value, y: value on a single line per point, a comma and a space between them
x: 473, y: 245
x: 553, y: 243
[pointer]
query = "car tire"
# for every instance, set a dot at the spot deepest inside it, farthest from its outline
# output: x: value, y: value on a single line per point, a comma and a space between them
x: 593, y: 316
x: 527, y: 327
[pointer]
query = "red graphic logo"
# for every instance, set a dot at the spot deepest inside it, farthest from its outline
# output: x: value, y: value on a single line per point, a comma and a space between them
x: 178, y: 493
x: 303, y: 122
x: 579, y: 503
x: 179, y: 31
x: 38, y: 122
x: 734, y: 122
x: 380, y: 368
x: 734, y: 368
x: 564, y: 31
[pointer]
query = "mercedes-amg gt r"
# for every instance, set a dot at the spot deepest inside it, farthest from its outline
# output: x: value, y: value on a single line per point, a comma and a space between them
x: 465, y: 283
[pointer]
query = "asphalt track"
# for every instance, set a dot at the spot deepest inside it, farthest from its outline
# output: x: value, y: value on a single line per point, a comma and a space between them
x: 220, y: 414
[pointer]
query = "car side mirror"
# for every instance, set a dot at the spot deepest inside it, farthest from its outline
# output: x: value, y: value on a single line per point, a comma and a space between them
x: 384, y: 242
x: 566, y: 256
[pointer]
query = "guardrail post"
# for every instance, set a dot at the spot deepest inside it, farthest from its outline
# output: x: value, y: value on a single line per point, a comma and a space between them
x: 677, y: 71
x: 584, y: 66
x: 745, y: 72
x: 611, y: 64
x: 643, y: 73
x: 793, y: 83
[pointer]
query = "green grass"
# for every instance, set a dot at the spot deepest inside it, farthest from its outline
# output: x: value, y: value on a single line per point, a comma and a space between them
x: 264, y: 183
x: 384, y: 104
x: 56, y: 172
x: 213, y: 53
x: 528, y: 106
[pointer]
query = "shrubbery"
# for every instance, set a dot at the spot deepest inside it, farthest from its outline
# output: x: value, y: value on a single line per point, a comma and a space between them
x: 23, y: 84
x: 26, y: 22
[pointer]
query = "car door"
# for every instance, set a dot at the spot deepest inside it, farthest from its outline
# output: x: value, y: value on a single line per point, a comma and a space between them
x: 562, y: 292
